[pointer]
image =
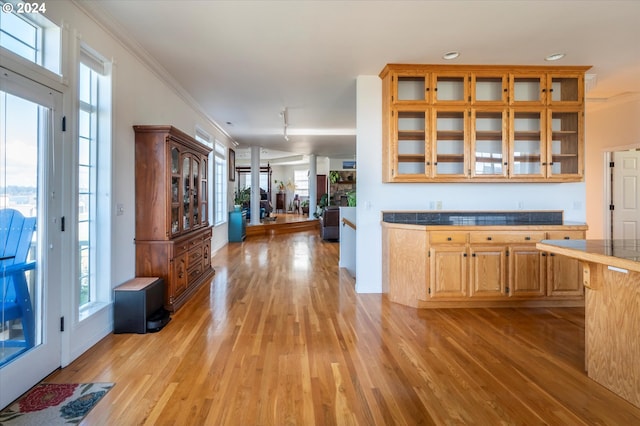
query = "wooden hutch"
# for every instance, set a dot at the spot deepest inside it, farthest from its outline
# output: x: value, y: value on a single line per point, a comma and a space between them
x: 173, y: 235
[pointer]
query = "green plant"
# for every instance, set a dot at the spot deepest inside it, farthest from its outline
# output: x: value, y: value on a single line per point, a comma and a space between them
x: 351, y: 198
x: 280, y: 185
x: 305, y: 203
x: 334, y: 176
x: 243, y: 196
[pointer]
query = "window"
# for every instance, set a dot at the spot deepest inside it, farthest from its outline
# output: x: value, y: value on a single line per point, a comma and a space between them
x: 31, y: 36
x: 301, y: 180
x: 220, y: 196
x: 93, y: 183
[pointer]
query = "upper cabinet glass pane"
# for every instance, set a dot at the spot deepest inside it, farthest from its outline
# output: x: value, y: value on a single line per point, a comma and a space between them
x: 186, y: 195
x: 450, y: 143
x: 527, y: 89
x: 565, y: 143
x: 527, y: 143
x: 411, y: 142
x: 488, y: 148
x: 450, y: 88
x: 489, y: 89
x: 565, y: 89
x: 412, y: 88
x: 175, y: 160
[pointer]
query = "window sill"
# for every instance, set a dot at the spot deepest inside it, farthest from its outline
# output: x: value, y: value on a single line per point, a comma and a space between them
x: 91, y: 309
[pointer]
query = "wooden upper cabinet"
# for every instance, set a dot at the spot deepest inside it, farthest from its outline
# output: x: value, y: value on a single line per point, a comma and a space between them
x: 450, y: 88
x: 547, y: 88
x: 483, y: 123
x: 489, y: 88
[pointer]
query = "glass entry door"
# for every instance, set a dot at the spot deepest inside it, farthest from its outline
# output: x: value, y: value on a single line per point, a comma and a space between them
x: 30, y: 237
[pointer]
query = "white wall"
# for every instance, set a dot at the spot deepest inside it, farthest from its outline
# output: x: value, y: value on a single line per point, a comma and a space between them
x: 140, y: 96
x: 375, y: 196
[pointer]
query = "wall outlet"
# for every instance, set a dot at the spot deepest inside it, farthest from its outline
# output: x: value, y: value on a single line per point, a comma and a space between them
x: 119, y: 209
x: 438, y: 205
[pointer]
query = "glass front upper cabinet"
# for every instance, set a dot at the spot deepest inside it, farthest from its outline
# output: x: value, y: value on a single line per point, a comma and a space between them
x: 528, y: 149
x: 565, y: 89
x: 411, y: 158
x: 489, y: 89
x: 175, y: 190
x: 489, y: 143
x: 565, y: 156
x: 450, y: 88
x: 449, y: 136
x: 411, y: 88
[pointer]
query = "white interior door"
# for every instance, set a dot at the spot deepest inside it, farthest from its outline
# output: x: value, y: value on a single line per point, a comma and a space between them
x: 625, y: 192
x: 30, y: 182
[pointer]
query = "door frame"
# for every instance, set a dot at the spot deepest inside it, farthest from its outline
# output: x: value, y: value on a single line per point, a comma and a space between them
x: 20, y: 375
x: 608, y: 185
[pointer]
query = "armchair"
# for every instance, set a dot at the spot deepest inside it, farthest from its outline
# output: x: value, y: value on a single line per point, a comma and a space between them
x: 330, y: 223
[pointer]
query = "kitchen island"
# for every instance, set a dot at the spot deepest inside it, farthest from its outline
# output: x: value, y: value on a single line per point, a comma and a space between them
x: 611, y: 276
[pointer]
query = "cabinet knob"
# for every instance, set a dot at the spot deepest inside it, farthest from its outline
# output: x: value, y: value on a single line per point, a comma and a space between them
x: 448, y: 238
x: 489, y: 238
x: 567, y: 238
x: 527, y: 238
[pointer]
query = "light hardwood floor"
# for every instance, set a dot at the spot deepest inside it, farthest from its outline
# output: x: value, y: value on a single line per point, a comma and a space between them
x: 281, y: 338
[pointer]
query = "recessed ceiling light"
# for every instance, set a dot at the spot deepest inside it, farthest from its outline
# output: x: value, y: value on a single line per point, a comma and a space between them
x: 451, y: 55
x: 554, y: 57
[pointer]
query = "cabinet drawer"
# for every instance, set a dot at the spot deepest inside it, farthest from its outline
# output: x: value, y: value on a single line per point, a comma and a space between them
x: 195, y: 270
x: 195, y: 255
x: 180, y: 247
x: 454, y: 237
x: 506, y: 237
x: 565, y: 235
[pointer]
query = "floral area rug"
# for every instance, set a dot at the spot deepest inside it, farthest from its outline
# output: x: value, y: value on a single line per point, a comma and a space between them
x: 54, y: 404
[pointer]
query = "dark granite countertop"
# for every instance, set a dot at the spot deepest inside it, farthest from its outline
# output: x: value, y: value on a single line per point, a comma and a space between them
x: 620, y: 253
x: 477, y: 218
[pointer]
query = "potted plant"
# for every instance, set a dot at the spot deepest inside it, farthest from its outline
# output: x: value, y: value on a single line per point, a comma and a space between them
x: 334, y: 176
x: 242, y: 197
x: 280, y: 185
x: 351, y: 198
x: 305, y: 206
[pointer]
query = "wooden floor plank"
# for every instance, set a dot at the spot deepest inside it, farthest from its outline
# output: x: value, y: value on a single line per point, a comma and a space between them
x: 280, y: 337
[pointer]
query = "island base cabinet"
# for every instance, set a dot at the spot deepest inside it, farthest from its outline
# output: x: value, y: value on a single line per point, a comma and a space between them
x: 612, y: 335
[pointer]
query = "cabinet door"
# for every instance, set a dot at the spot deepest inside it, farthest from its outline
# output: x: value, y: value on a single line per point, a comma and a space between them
x: 488, y: 275
x: 489, y: 88
x: 175, y: 188
x: 565, y: 147
x: 448, y: 271
x: 565, y: 89
x: 451, y: 88
x: 179, y: 275
x: 526, y: 271
x: 527, y: 148
x: 204, y: 191
x: 450, y: 149
x: 527, y: 88
x: 411, y: 87
x: 409, y: 150
x: 195, y: 191
x: 489, y: 142
x: 564, y: 275
x: 187, y: 216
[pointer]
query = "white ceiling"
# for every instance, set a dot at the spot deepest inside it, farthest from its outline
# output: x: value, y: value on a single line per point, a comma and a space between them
x: 243, y: 62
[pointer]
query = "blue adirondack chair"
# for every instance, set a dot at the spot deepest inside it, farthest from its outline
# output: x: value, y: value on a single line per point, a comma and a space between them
x: 16, y: 233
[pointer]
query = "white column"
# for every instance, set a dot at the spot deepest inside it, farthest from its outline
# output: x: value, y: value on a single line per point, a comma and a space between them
x: 313, y: 184
x: 255, y: 185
